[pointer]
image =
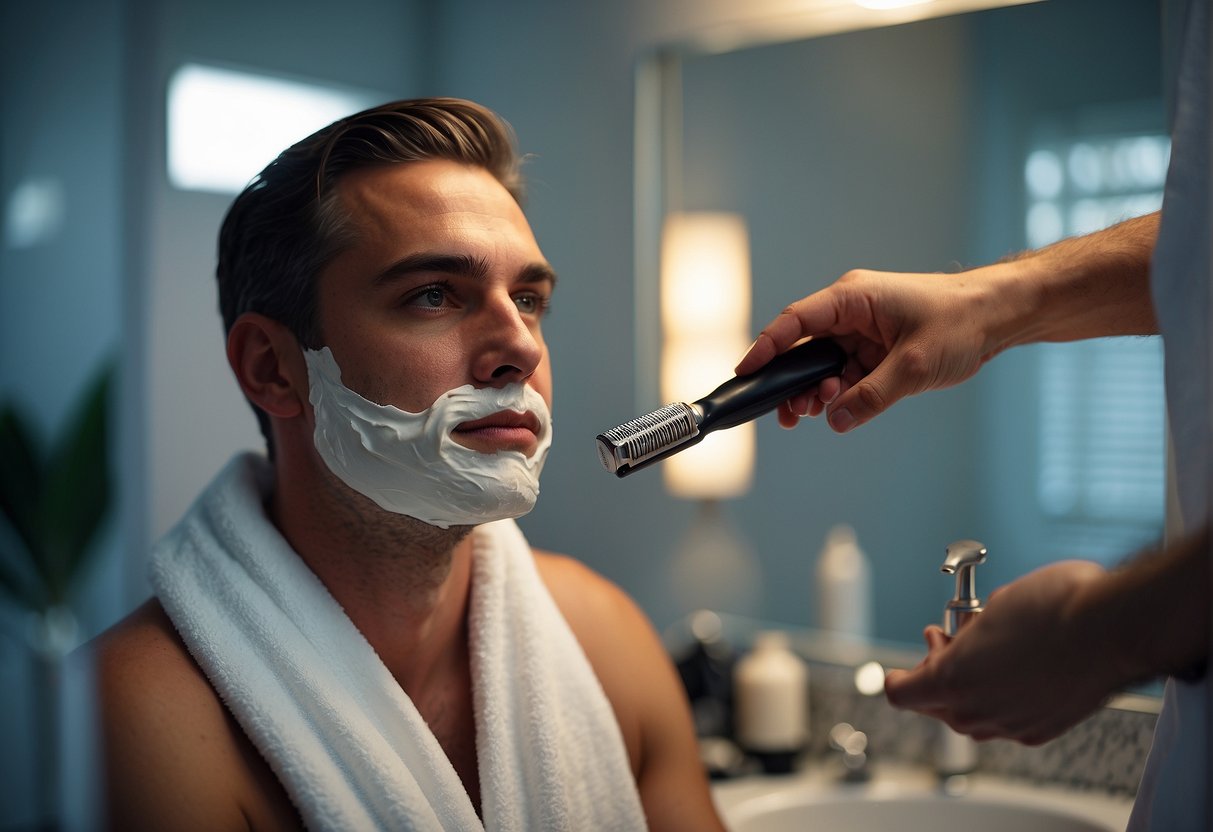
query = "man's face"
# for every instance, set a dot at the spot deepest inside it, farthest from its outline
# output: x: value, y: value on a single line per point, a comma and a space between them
x: 444, y: 286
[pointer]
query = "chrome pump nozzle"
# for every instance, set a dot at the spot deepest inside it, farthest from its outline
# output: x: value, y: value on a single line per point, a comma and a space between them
x: 961, y: 559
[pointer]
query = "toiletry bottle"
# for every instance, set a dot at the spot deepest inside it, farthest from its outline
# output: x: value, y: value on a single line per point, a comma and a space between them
x: 771, y: 702
x: 844, y: 585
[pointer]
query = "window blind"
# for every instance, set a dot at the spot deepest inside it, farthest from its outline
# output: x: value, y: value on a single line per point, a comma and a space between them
x: 1101, y: 480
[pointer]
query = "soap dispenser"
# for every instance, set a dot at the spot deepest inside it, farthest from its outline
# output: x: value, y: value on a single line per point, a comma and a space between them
x: 962, y: 559
x: 957, y: 753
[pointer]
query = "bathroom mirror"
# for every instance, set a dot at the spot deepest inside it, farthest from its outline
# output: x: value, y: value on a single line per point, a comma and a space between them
x: 914, y: 148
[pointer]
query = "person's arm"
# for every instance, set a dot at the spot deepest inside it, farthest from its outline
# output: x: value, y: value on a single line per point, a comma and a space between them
x: 646, y: 693
x: 908, y: 333
x: 1053, y: 646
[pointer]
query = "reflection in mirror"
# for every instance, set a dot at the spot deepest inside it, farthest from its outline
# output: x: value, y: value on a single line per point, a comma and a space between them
x: 935, y: 146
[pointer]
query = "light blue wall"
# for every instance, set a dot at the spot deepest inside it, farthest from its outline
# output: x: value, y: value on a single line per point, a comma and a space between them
x: 848, y: 151
x: 61, y: 298
x: 902, y: 149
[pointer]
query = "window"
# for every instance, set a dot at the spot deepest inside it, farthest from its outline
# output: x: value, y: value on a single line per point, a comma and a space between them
x: 1076, y: 187
x: 1102, y: 474
x: 1102, y: 469
x: 224, y: 126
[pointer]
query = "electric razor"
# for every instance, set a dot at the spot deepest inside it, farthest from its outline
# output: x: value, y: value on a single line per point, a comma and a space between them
x: 675, y: 427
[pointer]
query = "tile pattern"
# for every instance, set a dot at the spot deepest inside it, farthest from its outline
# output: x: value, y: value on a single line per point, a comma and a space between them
x: 1105, y: 752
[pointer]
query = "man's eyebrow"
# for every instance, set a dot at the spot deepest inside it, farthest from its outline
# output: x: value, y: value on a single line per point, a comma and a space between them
x: 538, y: 273
x: 458, y: 264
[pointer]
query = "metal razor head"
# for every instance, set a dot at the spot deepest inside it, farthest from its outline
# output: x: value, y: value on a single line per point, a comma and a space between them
x: 643, y: 440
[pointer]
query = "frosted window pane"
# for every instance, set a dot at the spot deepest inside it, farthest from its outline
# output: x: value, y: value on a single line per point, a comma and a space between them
x: 1044, y: 174
x: 224, y: 126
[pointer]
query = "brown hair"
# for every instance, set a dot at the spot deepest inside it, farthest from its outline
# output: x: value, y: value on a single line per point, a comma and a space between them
x: 288, y: 224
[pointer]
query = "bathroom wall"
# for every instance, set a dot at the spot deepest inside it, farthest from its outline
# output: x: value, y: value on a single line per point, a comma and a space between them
x: 61, y: 281
x: 853, y: 150
x: 902, y: 149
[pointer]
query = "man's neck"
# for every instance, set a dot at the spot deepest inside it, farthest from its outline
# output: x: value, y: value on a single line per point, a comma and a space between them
x: 403, y: 583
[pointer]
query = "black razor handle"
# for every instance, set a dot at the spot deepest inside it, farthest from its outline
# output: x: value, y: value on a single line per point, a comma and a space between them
x: 677, y: 426
x: 743, y: 398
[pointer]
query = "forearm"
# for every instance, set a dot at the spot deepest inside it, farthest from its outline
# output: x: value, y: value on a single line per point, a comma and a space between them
x: 1155, y: 610
x: 1083, y: 287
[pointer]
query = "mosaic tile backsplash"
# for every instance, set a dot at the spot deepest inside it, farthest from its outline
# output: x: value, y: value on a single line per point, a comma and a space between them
x: 1106, y: 752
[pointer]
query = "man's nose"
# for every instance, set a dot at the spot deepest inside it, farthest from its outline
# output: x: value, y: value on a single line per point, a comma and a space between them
x: 508, y: 349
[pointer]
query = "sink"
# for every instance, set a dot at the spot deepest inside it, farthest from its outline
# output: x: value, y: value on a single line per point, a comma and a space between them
x: 928, y: 813
x: 907, y: 800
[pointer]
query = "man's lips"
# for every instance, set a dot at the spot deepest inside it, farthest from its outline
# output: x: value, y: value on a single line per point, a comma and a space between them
x: 506, y: 430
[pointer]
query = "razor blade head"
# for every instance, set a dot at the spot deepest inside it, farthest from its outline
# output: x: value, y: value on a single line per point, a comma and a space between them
x: 640, y: 441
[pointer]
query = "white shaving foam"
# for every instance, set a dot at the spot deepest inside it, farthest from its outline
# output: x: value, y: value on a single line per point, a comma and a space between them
x: 409, y: 464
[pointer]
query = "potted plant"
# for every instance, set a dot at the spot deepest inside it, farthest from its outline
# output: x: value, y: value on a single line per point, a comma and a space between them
x: 53, y: 501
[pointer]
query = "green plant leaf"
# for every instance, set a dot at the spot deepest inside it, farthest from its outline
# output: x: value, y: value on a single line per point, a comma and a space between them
x: 77, y: 493
x: 21, y: 481
x: 18, y: 578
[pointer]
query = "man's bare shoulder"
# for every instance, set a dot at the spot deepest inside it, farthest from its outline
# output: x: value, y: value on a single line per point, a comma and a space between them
x: 145, y: 674
x: 585, y: 597
x: 173, y: 754
x: 145, y: 643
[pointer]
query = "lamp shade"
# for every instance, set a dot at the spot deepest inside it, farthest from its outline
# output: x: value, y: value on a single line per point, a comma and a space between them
x: 705, y: 274
x: 722, y: 465
x: 705, y: 313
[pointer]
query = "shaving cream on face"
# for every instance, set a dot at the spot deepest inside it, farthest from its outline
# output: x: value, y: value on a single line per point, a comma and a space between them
x: 409, y: 464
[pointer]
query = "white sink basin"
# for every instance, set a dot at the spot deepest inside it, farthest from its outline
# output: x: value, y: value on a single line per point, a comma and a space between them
x: 907, y: 800
x: 929, y: 813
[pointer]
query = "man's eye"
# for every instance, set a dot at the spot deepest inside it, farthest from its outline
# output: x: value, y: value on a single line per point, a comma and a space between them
x: 532, y: 303
x: 431, y: 297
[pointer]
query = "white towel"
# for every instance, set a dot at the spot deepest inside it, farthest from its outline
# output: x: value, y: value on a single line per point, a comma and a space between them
x: 342, y: 736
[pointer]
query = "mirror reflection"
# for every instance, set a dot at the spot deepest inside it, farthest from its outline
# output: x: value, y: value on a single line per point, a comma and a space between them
x: 935, y: 146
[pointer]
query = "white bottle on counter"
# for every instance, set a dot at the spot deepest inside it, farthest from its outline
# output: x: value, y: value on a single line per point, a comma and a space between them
x: 771, y: 702
x: 844, y: 585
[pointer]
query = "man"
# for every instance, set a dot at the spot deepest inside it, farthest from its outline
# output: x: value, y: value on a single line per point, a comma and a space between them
x: 354, y: 634
x: 1052, y: 646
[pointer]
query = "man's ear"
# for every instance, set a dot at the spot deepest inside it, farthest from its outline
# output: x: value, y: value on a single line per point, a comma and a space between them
x: 268, y: 363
